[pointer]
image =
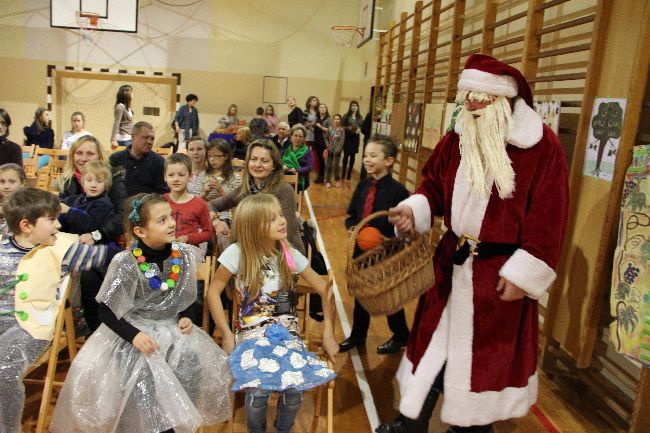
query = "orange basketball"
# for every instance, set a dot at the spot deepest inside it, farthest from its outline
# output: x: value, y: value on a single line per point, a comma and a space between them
x: 369, y: 238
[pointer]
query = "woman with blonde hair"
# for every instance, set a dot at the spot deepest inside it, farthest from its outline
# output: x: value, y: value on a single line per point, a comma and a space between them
x: 242, y: 138
x: 263, y: 172
x: 82, y: 151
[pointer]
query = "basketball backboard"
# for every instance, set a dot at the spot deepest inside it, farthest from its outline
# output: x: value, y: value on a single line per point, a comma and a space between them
x: 112, y: 15
x: 366, y: 20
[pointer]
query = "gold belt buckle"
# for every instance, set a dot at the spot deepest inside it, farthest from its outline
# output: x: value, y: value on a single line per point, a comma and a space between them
x: 472, y: 247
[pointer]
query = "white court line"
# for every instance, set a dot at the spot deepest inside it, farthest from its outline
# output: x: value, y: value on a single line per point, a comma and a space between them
x: 364, y: 387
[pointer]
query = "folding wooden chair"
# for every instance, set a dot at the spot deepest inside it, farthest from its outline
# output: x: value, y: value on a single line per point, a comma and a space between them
x: 304, y: 289
x: 28, y: 150
x: 117, y: 149
x: 55, y: 169
x: 293, y: 180
x: 204, y: 273
x: 64, y: 336
x: 53, y: 153
x: 163, y: 151
x: 43, y: 181
x: 30, y: 165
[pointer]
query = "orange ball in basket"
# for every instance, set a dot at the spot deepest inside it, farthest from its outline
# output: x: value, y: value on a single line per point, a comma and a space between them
x: 369, y: 237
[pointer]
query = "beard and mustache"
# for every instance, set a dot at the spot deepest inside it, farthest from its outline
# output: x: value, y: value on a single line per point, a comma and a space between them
x: 483, y: 145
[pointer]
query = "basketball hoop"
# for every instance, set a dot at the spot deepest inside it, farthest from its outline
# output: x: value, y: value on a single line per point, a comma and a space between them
x: 345, y: 35
x: 87, y: 22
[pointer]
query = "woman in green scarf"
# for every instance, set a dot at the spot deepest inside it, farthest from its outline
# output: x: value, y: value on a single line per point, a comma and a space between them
x: 297, y: 158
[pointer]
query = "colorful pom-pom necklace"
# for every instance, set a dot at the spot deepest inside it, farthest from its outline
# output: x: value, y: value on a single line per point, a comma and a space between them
x: 155, y: 282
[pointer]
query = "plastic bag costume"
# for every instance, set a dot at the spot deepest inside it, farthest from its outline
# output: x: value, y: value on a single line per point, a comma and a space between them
x: 113, y: 387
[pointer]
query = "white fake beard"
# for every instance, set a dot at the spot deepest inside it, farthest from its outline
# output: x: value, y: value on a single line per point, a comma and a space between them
x: 483, y: 148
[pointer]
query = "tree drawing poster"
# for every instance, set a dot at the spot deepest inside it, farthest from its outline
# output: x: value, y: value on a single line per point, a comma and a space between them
x: 604, y: 137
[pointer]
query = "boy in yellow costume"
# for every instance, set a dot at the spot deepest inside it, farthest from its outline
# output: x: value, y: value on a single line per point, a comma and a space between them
x: 32, y: 263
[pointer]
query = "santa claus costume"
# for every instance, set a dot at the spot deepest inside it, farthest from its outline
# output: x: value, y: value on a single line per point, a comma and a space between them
x: 485, y: 348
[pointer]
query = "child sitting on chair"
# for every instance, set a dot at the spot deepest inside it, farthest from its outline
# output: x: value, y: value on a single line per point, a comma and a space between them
x: 269, y: 353
x: 85, y: 213
x: 33, y: 262
x: 146, y: 369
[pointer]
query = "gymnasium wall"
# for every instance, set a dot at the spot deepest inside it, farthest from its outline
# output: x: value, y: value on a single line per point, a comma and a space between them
x: 221, y: 49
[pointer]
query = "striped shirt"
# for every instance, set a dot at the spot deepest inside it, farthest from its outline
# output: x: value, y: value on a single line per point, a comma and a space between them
x: 79, y: 257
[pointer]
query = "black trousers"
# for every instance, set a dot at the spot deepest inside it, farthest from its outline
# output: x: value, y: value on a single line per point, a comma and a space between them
x: 421, y: 424
x: 90, y: 282
x: 396, y: 323
x: 320, y: 148
x: 348, y: 164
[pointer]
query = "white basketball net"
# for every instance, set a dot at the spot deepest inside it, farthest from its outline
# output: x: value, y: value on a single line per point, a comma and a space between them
x: 87, y: 29
x: 347, y: 36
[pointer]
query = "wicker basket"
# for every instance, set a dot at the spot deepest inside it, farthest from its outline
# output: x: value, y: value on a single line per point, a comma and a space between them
x: 386, y: 277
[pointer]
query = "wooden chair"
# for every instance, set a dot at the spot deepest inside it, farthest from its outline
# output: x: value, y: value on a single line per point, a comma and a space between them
x: 28, y: 150
x: 117, y: 149
x: 293, y: 179
x: 238, y: 164
x: 305, y: 289
x: 30, y: 165
x: 64, y: 336
x: 54, y: 153
x: 43, y: 182
x: 163, y: 151
x: 54, y: 170
x: 204, y: 273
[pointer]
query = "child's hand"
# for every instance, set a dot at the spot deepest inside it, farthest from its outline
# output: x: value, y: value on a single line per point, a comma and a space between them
x: 185, y: 325
x: 331, y: 347
x: 145, y: 343
x: 182, y: 239
x: 228, y: 343
x: 64, y: 208
x: 86, y: 238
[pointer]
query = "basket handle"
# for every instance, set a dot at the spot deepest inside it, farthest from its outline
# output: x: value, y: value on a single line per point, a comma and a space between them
x: 353, y: 238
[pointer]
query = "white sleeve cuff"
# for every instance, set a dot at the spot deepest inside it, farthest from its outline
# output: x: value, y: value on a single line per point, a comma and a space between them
x: 528, y: 272
x: 421, y: 211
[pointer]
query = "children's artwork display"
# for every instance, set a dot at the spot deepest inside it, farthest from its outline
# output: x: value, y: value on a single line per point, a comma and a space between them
x: 604, y: 137
x: 431, y: 125
x: 549, y: 111
x: 413, y: 127
x: 398, y: 122
x: 451, y: 112
x: 630, y: 291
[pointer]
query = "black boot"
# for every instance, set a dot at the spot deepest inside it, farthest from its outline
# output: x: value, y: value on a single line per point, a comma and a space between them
x: 402, y: 424
x: 470, y: 429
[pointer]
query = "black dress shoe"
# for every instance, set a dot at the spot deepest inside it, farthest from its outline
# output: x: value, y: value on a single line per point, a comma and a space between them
x: 350, y: 343
x: 395, y: 426
x: 391, y: 346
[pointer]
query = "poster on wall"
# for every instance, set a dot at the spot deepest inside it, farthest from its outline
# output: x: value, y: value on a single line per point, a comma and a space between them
x: 451, y: 112
x: 398, y: 122
x: 376, y: 100
x: 413, y: 127
x: 630, y: 289
x: 549, y: 111
x: 387, y: 112
x: 604, y: 137
x: 431, y: 125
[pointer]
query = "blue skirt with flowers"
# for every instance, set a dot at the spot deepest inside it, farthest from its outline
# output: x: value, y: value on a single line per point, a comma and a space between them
x: 277, y: 361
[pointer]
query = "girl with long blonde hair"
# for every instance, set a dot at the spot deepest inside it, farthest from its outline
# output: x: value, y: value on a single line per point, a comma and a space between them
x: 266, y: 351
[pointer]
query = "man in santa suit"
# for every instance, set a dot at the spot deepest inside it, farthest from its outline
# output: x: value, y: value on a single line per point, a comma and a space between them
x: 499, y: 180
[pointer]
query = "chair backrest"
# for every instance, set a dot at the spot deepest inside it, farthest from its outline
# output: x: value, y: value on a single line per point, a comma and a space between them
x: 43, y: 182
x: 30, y: 165
x: 163, y: 151
x: 117, y: 149
x: 292, y: 179
x: 55, y: 167
x: 28, y: 151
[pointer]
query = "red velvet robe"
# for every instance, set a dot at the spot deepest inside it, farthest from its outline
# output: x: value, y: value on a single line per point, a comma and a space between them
x: 488, y: 345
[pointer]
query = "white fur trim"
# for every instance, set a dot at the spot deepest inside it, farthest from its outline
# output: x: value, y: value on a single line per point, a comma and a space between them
x: 421, y: 211
x: 414, y: 387
x: 479, y: 81
x: 533, y: 275
x: 464, y: 409
x: 526, y: 129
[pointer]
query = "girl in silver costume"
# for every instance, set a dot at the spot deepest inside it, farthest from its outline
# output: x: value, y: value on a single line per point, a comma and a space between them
x: 145, y: 370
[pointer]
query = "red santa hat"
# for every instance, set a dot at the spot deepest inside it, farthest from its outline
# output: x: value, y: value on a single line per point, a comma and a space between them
x: 486, y: 74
